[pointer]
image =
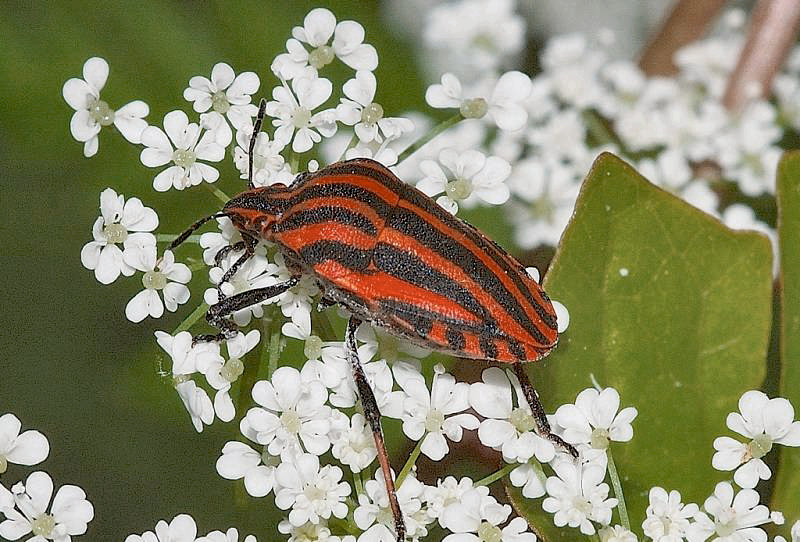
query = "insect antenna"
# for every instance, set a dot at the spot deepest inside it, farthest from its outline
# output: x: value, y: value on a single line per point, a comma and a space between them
x: 262, y: 107
x: 191, y: 229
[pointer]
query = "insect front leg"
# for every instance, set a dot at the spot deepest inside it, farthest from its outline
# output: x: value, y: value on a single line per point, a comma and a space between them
x: 249, y: 245
x: 373, y: 416
x: 227, y: 249
x: 218, y: 314
x: 542, y: 425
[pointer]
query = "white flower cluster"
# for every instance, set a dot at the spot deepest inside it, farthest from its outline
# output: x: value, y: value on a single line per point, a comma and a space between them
x: 26, y: 506
x: 182, y: 528
x: 305, y: 439
x: 674, y: 130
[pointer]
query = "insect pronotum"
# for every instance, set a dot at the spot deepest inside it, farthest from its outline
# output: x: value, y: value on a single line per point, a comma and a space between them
x: 391, y: 256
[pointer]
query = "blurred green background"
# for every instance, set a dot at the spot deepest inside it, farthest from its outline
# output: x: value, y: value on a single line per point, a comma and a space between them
x: 73, y: 367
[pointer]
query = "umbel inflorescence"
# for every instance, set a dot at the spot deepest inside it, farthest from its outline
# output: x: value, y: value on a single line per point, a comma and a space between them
x: 511, y: 140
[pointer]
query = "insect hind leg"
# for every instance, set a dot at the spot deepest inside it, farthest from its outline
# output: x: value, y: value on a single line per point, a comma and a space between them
x: 373, y: 416
x: 539, y: 416
x: 218, y: 315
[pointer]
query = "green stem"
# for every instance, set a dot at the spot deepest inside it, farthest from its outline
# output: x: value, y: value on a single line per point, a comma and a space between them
x: 274, y: 352
x: 495, y: 476
x: 191, y: 319
x: 169, y: 237
x: 615, y: 482
x: 436, y: 130
x: 350, y: 145
x: 412, y: 459
x: 595, y: 537
x: 359, y: 483
x: 219, y: 194
x: 294, y: 162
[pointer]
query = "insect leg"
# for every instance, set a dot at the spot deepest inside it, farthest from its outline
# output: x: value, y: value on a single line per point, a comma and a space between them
x: 227, y: 249
x: 373, y: 417
x: 542, y: 425
x: 217, y: 315
x: 249, y: 246
x: 256, y: 128
x: 191, y: 229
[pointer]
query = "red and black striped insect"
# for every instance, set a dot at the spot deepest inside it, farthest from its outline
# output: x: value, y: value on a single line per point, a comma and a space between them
x: 393, y: 257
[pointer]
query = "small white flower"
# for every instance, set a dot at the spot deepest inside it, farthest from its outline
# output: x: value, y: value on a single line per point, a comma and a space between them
x: 318, y: 27
x: 231, y: 535
x: 182, y: 528
x: 472, y: 176
x: 311, y: 532
x: 92, y: 113
x: 380, y: 153
x: 373, y: 514
x: 355, y: 444
x: 531, y: 478
x: 736, y: 517
x: 128, y: 223
x: 215, y: 124
x: 181, y: 144
x: 69, y: 513
x: 197, y: 403
x: 432, y: 415
x: 169, y: 277
x: 477, y: 516
x: 504, y: 104
x: 188, y: 358
x: 578, y: 495
x: 445, y: 493
x: 292, y: 111
x: 473, y: 37
x: 294, y: 411
x: 593, y: 421
x: 360, y: 111
x: 213, y: 242
x: 506, y: 428
x: 378, y: 344
x: 222, y: 374
x: 765, y: 422
x: 269, y: 166
x: 297, y: 299
x: 227, y: 93
x: 257, y: 272
x: 310, y: 491
x: 545, y: 198
x: 667, y: 517
x: 239, y: 461
x: 28, y: 448
x: 617, y: 533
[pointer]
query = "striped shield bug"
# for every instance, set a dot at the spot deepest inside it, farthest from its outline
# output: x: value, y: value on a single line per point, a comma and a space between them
x: 393, y: 257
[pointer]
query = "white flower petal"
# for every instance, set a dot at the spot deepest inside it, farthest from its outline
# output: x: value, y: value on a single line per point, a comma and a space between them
x: 95, y: 72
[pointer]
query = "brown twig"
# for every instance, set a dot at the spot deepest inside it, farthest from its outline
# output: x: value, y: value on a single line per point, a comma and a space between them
x: 687, y: 22
x: 773, y: 31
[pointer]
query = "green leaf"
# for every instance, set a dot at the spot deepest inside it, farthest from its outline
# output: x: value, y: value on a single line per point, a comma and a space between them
x: 786, y: 496
x: 669, y: 307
